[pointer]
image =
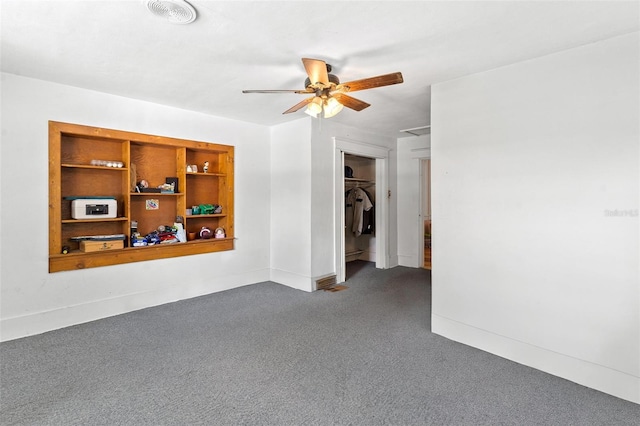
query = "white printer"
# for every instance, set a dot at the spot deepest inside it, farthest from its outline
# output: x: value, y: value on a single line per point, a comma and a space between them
x: 94, y: 208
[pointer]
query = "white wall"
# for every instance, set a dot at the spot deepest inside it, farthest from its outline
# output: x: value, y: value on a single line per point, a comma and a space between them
x: 411, y: 151
x: 526, y: 162
x: 322, y: 200
x: 291, y: 204
x: 34, y: 301
x: 302, y: 201
x: 324, y: 193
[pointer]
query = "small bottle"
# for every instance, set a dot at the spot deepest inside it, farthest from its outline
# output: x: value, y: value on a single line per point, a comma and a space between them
x: 134, y: 232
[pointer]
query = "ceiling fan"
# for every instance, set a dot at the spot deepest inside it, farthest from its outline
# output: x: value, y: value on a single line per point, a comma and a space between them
x: 329, y: 95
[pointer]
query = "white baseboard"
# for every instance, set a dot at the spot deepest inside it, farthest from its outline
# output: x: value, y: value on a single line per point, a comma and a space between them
x: 41, y: 322
x: 293, y: 280
x: 601, y: 378
x: 368, y: 256
x: 410, y: 261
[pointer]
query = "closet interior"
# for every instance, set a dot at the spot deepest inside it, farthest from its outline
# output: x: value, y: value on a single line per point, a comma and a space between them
x: 360, y: 192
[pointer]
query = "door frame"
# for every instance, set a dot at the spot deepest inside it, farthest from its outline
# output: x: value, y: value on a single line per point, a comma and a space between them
x: 425, y: 195
x: 421, y: 154
x: 344, y: 146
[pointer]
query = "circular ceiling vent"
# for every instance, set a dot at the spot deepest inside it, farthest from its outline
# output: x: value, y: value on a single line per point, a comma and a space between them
x: 175, y: 11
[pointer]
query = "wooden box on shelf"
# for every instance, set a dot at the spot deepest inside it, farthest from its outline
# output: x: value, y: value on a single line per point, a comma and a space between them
x: 89, y: 246
x: 94, y: 162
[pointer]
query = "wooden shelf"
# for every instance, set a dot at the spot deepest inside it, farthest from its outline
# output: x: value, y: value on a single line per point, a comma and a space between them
x: 80, y: 260
x: 153, y: 194
x: 113, y: 219
x: 206, y: 174
x: 87, y: 166
x: 152, y: 158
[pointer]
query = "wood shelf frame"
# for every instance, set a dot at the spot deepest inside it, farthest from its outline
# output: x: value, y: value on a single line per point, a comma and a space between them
x: 72, y: 148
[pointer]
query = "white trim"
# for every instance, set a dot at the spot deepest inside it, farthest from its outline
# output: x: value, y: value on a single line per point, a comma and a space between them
x: 420, y: 225
x: 339, y: 216
x: 40, y: 322
x: 382, y: 213
x: 595, y: 376
x: 421, y: 153
x: 409, y: 261
x: 361, y: 148
x: 292, y: 279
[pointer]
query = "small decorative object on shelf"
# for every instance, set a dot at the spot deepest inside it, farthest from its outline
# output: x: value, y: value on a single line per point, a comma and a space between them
x: 172, y: 182
x: 206, y: 167
x: 207, y: 208
x: 220, y: 233
x: 140, y: 186
x: 134, y: 235
x: 107, y: 163
x: 167, y: 188
x: 205, y: 233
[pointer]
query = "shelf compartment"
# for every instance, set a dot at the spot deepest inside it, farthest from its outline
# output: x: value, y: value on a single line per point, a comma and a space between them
x: 153, y: 163
x: 82, y: 149
x: 150, y: 220
x: 101, y: 182
x: 198, y: 157
x: 65, y: 204
x: 79, y: 228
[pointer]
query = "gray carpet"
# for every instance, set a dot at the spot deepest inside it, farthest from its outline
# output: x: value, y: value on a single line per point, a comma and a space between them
x: 266, y: 354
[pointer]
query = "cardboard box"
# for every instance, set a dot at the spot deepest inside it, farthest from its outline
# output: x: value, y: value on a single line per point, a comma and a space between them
x: 88, y: 246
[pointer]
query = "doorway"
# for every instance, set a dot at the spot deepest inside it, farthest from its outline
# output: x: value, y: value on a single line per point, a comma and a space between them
x: 377, y: 159
x: 425, y: 211
x: 360, y: 208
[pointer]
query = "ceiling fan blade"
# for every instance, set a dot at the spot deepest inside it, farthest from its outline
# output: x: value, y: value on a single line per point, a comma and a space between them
x: 372, y: 82
x: 299, y: 105
x: 349, y: 102
x: 303, y: 92
x: 317, y: 70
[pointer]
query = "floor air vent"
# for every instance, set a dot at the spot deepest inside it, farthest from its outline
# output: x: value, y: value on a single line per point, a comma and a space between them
x: 326, y: 282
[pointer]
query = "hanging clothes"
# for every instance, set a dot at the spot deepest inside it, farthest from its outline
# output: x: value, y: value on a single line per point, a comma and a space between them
x: 357, y: 202
x: 369, y: 217
x: 348, y: 211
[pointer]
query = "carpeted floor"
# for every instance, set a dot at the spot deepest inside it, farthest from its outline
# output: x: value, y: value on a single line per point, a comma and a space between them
x: 266, y: 354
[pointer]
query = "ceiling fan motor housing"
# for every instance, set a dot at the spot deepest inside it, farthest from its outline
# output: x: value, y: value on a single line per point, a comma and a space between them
x: 333, y: 81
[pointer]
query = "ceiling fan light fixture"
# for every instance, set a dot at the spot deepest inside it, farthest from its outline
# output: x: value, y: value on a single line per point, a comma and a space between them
x: 314, y: 108
x: 332, y: 107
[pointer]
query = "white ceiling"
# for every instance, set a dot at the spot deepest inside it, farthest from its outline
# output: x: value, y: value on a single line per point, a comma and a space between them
x: 119, y: 47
